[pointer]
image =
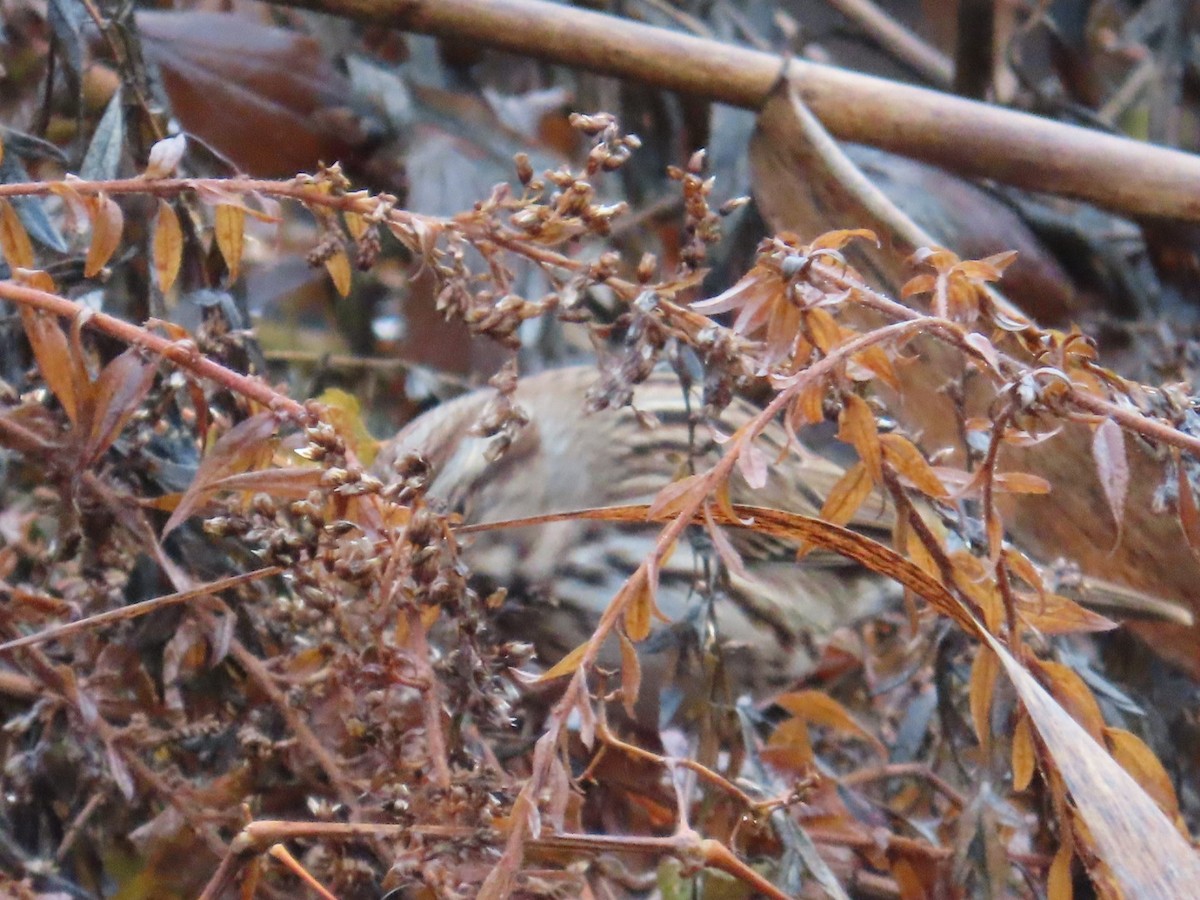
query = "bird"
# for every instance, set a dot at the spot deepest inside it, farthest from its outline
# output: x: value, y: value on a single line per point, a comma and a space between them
x: 767, y: 625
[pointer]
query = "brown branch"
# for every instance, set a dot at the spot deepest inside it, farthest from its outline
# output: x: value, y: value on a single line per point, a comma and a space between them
x: 971, y: 138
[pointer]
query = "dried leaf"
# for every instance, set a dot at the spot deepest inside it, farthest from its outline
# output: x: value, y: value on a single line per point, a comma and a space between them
x: 229, y: 224
x: 14, y: 240
x: 631, y: 673
x: 107, y: 225
x: 983, y: 685
x: 1074, y: 695
x: 338, y: 267
x: 675, y: 496
x: 1059, y: 885
x: 818, y: 708
x: 122, y: 386
x: 1112, y: 465
x: 847, y: 496
x: 752, y: 463
x: 1056, y: 614
x: 639, y: 610
x: 856, y: 427
x: 565, y: 666
x: 168, y: 246
x: 1139, y: 761
x: 911, y: 465
x: 54, y: 357
x: 1024, y: 753
x: 241, y: 448
x: 1189, y: 517
x: 789, y: 748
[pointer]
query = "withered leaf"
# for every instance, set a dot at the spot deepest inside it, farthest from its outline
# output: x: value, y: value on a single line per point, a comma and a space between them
x: 53, y: 355
x: 239, y: 449
x: 856, y: 427
x: 338, y: 267
x: 1112, y: 465
x: 984, y: 671
x: 107, y: 225
x: 229, y: 224
x: 168, y: 246
x: 1139, y: 761
x: 912, y: 465
x: 1024, y: 753
x: 122, y: 386
x: 817, y: 707
x: 14, y: 240
x: 631, y: 673
x: 847, y: 495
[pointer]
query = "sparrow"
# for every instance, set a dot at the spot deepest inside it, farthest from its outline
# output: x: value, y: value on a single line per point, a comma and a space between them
x: 767, y: 625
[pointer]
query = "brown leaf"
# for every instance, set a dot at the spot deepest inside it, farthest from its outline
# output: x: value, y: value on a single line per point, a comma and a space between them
x: 1058, y: 880
x: 818, y: 708
x: 338, y: 267
x: 1056, y: 614
x: 1139, y: 761
x: 1024, y: 753
x: 168, y: 246
x: 856, y: 427
x: 54, y: 357
x: 565, y: 666
x: 1074, y: 695
x: 14, y: 240
x: 119, y: 392
x: 847, y: 495
x: 631, y: 673
x: 911, y: 465
x: 639, y: 610
x: 107, y: 224
x: 229, y: 227
x: 1189, y: 517
x: 983, y: 684
x: 240, y: 448
x: 1108, y: 450
x: 265, y: 97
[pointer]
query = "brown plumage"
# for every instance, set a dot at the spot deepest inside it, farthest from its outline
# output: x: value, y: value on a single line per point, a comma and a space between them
x: 562, y: 575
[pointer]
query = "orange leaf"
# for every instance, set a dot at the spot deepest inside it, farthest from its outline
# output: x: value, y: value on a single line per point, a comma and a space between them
x: 566, y: 665
x: 1058, y: 879
x: 1024, y: 754
x: 122, y: 386
x: 1074, y: 695
x: 789, y: 747
x: 639, y: 611
x: 14, y: 240
x: 1139, y: 761
x: 241, y: 448
x: 107, y: 225
x: 1056, y: 614
x: 847, y: 495
x: 53, y: 356
x: 818, y: 708
x: 983, y: 684
x: 856, y: 427
x: 338, y: 267
x: 908, y: 461
x: 229, y: 227
x: 168, y: 246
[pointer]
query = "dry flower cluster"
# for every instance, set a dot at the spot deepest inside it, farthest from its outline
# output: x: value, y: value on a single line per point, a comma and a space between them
x: 234, y: 656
